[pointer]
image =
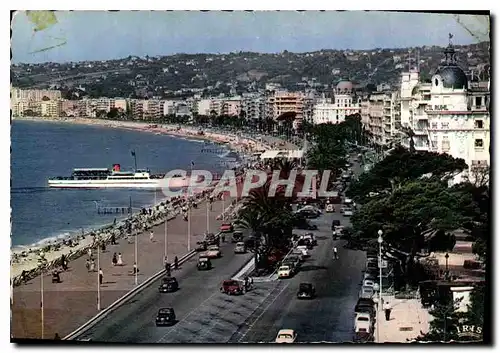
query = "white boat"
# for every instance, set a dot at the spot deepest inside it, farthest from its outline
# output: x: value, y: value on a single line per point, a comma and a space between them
x: 115, y: 178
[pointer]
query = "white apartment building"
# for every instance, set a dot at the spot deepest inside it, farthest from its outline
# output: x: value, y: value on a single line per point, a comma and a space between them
x: 253, y: 105
x: 203, y: 107
x: 448, y: 115
x: 283, y: 102
x: 344, y: 103
x: 232, y: 106
x: 34, y: 94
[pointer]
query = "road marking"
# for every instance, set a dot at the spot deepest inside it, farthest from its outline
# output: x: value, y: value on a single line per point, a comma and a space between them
x: 265, y: 309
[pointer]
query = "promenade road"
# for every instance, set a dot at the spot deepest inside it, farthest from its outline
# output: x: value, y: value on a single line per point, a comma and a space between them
x: 198, y: 305
x: 73, y: 302
x: 327, y: 318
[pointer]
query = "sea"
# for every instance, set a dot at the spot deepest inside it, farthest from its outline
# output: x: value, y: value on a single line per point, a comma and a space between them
x: 41, y: 150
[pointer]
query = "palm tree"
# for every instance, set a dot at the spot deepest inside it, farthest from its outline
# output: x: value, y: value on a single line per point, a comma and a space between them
x: 269, y: 219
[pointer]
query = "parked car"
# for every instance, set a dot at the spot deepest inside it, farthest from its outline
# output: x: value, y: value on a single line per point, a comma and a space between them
x: 213, y: 252
x: 366, y: 292
x: 347, y: 201
x: 286, y: 336
x: 226, y: 228
x: 204, y: 263
x: 285, y: 271
x: 348, y: 213
x: 329, y: 208
x: 211, y: 239
x: 231, y: 287
x: 302, y: 223
x: 168, y: 284
x: 165, y: 317
x: 240, y: 248
x: 311, y: 237
x: 294, y: 259
x: 363, y: 323
x: 305, y: 242
x: 368, y: 283
x: 306, y: 291
x: 304, y: 250
x: 298, y: 253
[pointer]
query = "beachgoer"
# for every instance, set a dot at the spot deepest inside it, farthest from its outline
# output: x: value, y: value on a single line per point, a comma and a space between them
x: 151, y: 236
x: 101, y: 275
x: 114, y: 260
x: 113, y: 239
x: 92, y: 265
x: 120, y: 260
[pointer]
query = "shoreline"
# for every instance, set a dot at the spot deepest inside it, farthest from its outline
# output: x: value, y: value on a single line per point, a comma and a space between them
x: 26, y: 258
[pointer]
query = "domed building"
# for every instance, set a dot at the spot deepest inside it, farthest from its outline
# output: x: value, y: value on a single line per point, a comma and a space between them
x: 447, y: 115
x: 344, y: 103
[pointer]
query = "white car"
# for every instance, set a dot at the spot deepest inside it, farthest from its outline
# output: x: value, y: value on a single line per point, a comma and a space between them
x: 213, y: 251
x: 303, y: 250
x: 363, y: 323
x: 330, y: 208
x: 368, y: 283
x: 298, y: 253
x: 240, y: 248
x: 348, y: 213
x: 286, y: 336
x: 347, y: 201
x: 285, y: 271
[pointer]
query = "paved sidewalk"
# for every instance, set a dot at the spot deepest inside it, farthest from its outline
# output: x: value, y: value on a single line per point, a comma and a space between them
x: 408, y: 318
x: 73, y: 302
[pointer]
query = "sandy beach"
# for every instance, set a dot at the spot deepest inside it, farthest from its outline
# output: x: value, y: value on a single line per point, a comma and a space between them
x: 25, y: 259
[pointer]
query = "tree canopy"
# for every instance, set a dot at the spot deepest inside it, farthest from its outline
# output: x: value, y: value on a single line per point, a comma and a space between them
x: 401, y: 166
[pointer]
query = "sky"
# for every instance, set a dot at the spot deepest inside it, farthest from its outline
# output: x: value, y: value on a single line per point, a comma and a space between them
x: 102, y: 35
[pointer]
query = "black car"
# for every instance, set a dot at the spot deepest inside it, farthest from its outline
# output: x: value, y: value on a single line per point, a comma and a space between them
x: 302, y: 223
x: 335, y: 223
x: 168, y: 284
x: 308, y: 214
x: 306, y: 291
x: 204, y: 264
x: 165, y: 317
x: 365, y: 305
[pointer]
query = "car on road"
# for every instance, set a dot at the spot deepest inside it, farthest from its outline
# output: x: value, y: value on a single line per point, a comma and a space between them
x: 213, y: 252
x: 303, y: 248
x: 310, y: 236
x: 285, y: 271
x: 296, y: 260
x: 211, y: 239
x: 231, y: 287
x: 366, y: 292
x: 298, y: 253
x: 368, y: 283
x: 168, y: 284
x: 363, y: 323
x: 329, y: 208
x: 165, y: 317
x: 226, y: 228
x: 347, y: 201
x: 306, y: 291
x: 286, y: 336
x: 240, y: 248
x: 302, y: 223
x: 348, y: 212
x: 335, y: 223
x: 201, y: 246
x: 305, y: 242
x: 204, y: 263
x: 365, y: 305
x: 237, y: 236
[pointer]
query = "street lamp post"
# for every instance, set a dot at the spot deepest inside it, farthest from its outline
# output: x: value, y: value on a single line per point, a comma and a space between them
x: 380, y: 240
x: 136, y: 259
x: 446, y: 268
x: 98, y: 277
x: 208, y: 217
x: 166, y: 237
x: 42, y: 319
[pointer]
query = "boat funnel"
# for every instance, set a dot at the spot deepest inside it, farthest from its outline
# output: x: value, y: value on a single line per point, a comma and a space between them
x: 116, y: 167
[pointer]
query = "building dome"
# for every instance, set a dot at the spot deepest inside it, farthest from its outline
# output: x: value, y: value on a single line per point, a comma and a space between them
x: 453, y: 77
x: 344, y: 85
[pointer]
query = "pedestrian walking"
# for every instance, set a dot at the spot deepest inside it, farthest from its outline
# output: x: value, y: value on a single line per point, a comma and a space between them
x: 223, y: 236
x: 57, y: 337
x: 114, y: 260
x: 87, y: 265
x: 120, y: 260
x: 101, y: 276
x: 335, y: 255
x: 136, y: 269
x: 151, y: 236
x: 387, y: 310
x: 89, y: 252
x: 92, y: 265
x: 176, y: 263
x: 113, y: 239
